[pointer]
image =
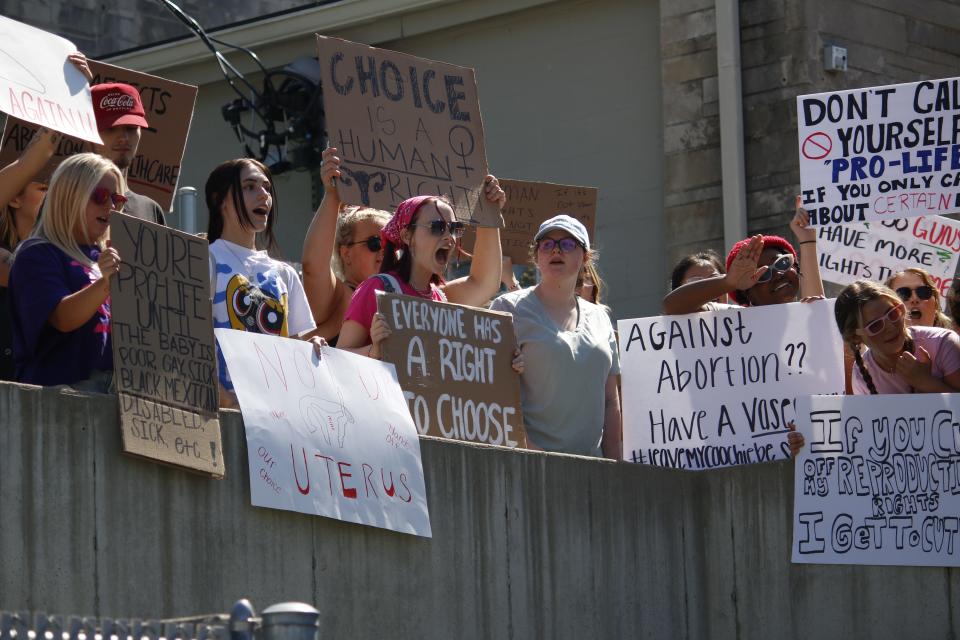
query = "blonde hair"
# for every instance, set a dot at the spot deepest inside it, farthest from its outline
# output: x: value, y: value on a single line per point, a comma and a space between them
x: 66, y: 203
x: 940, y: 319
x: 347, y: 221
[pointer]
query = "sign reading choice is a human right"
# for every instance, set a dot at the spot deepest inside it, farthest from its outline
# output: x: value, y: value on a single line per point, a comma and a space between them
x: 880, y: 152
x: 878, y: 480
x: 720, y: 388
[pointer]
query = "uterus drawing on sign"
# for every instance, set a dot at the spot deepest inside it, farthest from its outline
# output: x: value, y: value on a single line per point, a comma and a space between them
x: 326, y: 416
x: 364, y: 180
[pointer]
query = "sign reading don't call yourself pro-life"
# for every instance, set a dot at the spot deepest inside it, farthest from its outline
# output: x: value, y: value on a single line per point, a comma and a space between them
x: 720, y: 388
x: 163, y: 349
x: 454, y: 364
x: 404, y: 126
x: 880, y: 152
x: 878, y: 480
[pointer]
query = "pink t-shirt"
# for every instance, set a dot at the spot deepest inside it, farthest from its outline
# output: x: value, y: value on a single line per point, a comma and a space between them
x: 364, y: 302
x: 943, y: 345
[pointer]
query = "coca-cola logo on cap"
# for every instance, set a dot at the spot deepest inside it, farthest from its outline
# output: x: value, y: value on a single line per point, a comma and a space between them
x: 116, y: 102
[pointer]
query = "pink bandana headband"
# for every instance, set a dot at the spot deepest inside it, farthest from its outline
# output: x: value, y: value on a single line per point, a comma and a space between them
x: 402, y: 218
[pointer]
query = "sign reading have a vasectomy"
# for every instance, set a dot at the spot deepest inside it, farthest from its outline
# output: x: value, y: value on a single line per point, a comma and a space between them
x: 404, y: 126
x: 878, y: 480
x: 720, y: 388
x: 455, y: 367
x: 329, y: 437
x: 881, y: 152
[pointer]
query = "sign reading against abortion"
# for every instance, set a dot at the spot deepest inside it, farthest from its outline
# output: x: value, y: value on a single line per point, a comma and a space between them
x: 880, y: 152
x: 163, y: 349
x: 455, y: 367
x: 877, y: 250
x: 155, y: 169
x: 878, y: 480
x: 404, y: 126
x: 38, y: 84
x: 528, y: 205
x: 720, y: 388
x: 329, y: 437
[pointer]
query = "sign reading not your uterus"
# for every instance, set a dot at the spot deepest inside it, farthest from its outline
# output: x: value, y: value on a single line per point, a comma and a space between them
x: 878, y: 480
x: 720, y: 388
x: 880, y: 152
x: 330, y: 437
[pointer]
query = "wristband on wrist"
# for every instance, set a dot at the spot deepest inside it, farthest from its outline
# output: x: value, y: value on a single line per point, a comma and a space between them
x: 808, y: 242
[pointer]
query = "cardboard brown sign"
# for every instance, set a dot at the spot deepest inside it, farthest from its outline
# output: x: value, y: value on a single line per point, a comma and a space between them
x: 163, y: 347
x: 454, y: 364
x: 404, y: 126
x: 156, y: 168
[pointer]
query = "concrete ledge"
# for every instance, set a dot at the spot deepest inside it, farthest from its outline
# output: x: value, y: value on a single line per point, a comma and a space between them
x: 525, y: 545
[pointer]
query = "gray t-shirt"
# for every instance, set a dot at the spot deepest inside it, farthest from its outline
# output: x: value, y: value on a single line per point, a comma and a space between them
x: 565, y: 373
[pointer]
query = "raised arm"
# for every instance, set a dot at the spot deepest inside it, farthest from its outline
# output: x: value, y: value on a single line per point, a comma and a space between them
x: 15, y: 177
x: 483, y: 282
x: 742, y: 275
x: 811, y: 284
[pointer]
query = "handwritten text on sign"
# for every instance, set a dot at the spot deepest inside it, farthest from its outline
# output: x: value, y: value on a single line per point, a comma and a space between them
x: 331, y: 437
x: 880, y: 152
x: 878, y: 480
x: 404, y: 126
x: 163, y: 345
x: 454, y: 364
x: 38, y: 84
x: 719, y: 388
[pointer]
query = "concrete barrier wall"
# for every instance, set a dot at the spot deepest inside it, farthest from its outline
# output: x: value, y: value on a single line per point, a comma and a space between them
x: 525, y: 545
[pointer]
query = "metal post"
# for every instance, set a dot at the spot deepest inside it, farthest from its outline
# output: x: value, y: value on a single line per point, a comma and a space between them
x: 290, y: 621
x: 242, y: 618
x: 187, y: 209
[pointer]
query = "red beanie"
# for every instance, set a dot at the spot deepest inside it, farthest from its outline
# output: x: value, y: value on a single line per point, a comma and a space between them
x: 768, y: 241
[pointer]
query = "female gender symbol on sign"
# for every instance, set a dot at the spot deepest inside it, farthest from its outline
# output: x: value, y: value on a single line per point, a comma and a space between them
x: 816, y: 146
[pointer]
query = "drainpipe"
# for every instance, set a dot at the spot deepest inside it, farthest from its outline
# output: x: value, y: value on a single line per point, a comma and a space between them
x: 731, y: 122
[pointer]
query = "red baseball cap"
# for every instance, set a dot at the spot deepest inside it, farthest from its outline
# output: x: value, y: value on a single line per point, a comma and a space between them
x: 116, y: 104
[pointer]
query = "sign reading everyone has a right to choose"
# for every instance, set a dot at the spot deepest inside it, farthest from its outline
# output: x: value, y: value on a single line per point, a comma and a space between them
x: 878, y: 480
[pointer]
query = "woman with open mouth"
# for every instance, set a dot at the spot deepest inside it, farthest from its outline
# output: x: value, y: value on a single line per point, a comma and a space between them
x: 60, y: 280
x: 921, y: 298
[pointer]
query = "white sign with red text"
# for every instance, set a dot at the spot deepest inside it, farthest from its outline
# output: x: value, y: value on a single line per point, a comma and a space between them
x: 38, y: 84
x: 330, y: 436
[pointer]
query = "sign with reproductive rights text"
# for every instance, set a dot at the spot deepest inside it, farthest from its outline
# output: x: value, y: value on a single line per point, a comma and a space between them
x: 720, y: 388
x: 880, y: 153
x: 877, y: 250
x: 455, y: 366
x: 404, y: 126
x: 878, y: 480
x: 328, y: 436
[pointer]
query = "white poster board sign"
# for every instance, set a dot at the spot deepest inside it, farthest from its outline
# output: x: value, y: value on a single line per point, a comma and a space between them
x: 878, y: 480
x: 38, y: 84
x: 331, y: 437
x: 877, y: 250
x: 880, y: 152
x: 719, y: 388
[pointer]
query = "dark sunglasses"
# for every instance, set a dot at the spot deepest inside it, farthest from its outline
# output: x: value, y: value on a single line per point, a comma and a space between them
x: 923, y: 293
x: 101, y: 195
x: 782, y: 264
x: 566, y: 245
x: 373, y: 243
x: 440, y: 227
x: 895, y: 314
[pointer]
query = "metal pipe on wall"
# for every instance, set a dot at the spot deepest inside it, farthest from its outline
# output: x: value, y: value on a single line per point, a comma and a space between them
x: 730, y: 95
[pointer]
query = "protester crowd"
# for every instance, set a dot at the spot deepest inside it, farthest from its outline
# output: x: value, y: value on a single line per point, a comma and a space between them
x: 56, y: 263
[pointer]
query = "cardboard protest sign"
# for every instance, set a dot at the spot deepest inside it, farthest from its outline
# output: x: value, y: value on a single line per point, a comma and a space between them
x: 880, y: 152
x: 454, y: 364
x: 39, y: 85
x: 155, y: 170
x: 329, y: 437
x: 404, y: 126
x: 878, y: 480
x: 163, y: 348
x: 877, y: 250
x: 719, y: 388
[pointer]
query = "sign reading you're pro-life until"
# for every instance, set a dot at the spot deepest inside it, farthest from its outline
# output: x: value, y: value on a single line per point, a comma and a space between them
x: 720, y: 388
x: 880, y: 152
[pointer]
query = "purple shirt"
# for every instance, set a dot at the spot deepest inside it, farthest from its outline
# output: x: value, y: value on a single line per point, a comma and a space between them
x: 943, y: 345
x: 42, y: 276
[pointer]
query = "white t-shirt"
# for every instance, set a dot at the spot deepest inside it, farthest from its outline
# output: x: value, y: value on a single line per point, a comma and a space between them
x: 565, y: 372
x: 254, y: 292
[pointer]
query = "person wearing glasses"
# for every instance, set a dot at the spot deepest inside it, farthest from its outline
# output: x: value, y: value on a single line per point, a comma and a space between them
x: 921, y: 298
x: 419, y: 242
x: 342, y: 248
x: 60, y: 280
x: 568, y: 385
x: 900, y: 358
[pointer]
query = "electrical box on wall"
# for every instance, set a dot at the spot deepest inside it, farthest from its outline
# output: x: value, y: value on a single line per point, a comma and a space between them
x: 834, y: 58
